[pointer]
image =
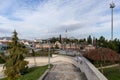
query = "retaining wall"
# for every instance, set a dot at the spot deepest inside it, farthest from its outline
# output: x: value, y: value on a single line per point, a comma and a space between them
x: 91, y: 72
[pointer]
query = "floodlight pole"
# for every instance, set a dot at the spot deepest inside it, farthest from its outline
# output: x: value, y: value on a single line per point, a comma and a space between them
x: 112, y: 5
x: 49, y: 56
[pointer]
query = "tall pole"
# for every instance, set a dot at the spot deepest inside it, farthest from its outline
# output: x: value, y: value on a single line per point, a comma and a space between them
x: 112, y: 5
x: 66, y: 41
x: 49, y: 56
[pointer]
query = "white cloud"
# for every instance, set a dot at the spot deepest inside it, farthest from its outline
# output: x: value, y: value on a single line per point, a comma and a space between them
x: 48, y: 18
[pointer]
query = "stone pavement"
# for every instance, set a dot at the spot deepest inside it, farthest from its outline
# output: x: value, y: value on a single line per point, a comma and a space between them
x: 65, y: 71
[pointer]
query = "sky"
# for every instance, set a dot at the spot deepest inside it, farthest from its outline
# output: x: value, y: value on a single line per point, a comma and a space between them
x: 50, y: 18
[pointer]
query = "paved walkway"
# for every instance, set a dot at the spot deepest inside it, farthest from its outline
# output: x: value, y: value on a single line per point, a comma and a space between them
x: 114, y: 65
x: 65, y: 71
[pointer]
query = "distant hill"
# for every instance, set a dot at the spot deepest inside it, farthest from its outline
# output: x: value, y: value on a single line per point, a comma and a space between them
x: 7, y: 38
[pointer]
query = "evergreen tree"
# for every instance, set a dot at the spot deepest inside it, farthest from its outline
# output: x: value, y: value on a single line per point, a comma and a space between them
x: 101, y: 41
x: 89, y: 40
x: 112, y: 44
x: 15, y: 64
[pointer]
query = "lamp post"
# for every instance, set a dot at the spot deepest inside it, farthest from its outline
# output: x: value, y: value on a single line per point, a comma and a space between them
x: 66, y: 41
x: 112, y: 5
x: 78, y: 53
x: 102, y: 57
x: 49, y: 56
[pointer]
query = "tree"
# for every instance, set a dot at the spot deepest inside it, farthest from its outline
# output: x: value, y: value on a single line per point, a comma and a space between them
x: 89, y: 40
x: 56, y: 46
x: 102, y: 41
x: 54, y: 39
x: 15, y: 64
x: 102, y: 55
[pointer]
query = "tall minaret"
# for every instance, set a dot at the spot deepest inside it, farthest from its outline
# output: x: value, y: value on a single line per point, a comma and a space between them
x: 66, y: 34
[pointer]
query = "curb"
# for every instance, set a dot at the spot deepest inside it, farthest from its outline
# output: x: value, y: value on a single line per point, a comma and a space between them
x: 46, y: 73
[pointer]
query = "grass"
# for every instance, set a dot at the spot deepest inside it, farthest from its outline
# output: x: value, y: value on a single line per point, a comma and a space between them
x: 33, y: 73
x: 112, y: 73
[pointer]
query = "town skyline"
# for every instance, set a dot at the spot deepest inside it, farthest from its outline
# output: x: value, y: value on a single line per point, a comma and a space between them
x: 49, y: 18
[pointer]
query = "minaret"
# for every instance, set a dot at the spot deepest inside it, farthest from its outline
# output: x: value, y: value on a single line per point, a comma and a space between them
x: 66, y: 35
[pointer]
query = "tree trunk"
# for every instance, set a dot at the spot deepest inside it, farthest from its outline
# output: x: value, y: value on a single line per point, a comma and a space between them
x: 35, y: 63
x: 101, y: 67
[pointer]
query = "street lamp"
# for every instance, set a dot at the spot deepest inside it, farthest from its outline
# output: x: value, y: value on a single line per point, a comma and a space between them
x: 49, y: 56
x: 66, y: 41
x: 78, y: 53
x: 112, y: 5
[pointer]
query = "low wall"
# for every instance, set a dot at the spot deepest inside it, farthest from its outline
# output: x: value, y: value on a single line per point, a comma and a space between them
x: 90, y: 71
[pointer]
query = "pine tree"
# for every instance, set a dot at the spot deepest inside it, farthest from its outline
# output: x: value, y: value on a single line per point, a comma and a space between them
x: 15, y: 64
x: 89, y: 40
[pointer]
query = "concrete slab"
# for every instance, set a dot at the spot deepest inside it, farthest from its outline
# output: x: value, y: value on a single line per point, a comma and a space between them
x: 65, y: 71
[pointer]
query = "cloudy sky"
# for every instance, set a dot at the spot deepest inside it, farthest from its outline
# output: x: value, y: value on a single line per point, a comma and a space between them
x: 47, y: 18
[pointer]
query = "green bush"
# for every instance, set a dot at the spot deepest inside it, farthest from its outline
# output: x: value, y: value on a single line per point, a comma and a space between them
x: 1, y: 60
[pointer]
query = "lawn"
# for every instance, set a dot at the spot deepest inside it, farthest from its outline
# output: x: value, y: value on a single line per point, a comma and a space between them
x: 112, y: 73
x: 33, y: 73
